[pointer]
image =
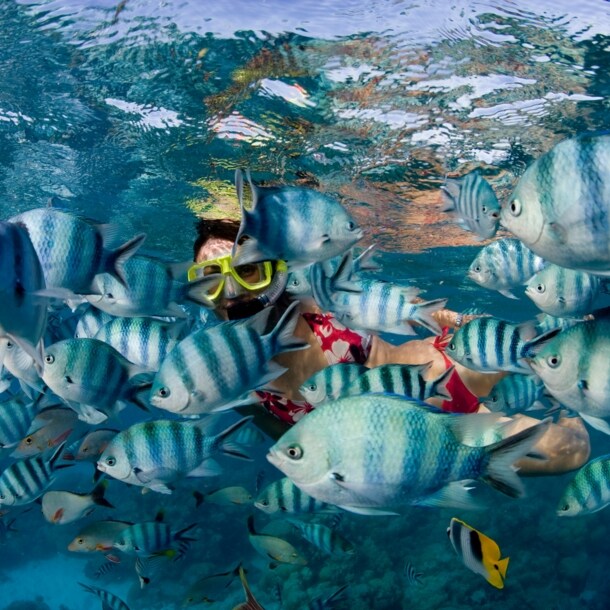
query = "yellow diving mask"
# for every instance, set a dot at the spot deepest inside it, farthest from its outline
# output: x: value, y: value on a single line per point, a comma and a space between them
x: 251, y: 276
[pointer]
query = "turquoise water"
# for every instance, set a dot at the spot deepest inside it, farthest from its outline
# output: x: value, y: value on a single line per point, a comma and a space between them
x: 139, y: 113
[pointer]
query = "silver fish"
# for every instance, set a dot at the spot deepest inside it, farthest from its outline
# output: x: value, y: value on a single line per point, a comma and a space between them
x: 284, y: 496
x: 60, y: 507
x: 588, y: 491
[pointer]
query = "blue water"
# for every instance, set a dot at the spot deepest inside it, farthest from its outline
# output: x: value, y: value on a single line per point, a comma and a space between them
x: 138, y: 114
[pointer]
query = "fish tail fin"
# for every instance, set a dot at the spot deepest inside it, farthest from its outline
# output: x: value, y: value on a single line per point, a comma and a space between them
x: 97, y: 495
x: 424, y: 314
x: 500, y: 472
x: 230, y: 447
x: 195, y: 291
x: 282, y: 336
x: 245, y: 214
x: 116, y: 259
x: 56, y: 455
x: 439, y: 386
x: 180, y: 537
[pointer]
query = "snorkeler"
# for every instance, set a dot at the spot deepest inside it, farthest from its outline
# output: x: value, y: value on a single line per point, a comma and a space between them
x: 246, y: 289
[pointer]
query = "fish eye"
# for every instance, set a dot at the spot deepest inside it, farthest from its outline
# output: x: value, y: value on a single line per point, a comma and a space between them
x: 494, y: 399
x: 484, y: 209
x: 265, y: 502
x: 9, y: 345
x: 80, y: 541
x: 163, y: 392
x: 515, y: 207
x: 110, y: 461
x: 312, y: 387
x: 2, y: 497
x: 477, y: 268
x: 84, y: 449
x: 351, y: 225
x: 109, y: 295
x: 541, y: 288
x: 565, y: 508
x: 49, y: 359
x: 295, y: 452
x: 553, y: 361
x: 28, y: 440
x: 451, y: 346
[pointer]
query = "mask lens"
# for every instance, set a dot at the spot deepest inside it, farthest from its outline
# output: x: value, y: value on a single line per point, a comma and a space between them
x: 250, y: 274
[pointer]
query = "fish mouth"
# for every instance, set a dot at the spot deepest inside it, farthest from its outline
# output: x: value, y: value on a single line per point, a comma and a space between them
x: 275, y: 459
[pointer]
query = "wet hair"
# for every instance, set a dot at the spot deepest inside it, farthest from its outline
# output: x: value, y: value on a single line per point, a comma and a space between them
x: 222, y: 228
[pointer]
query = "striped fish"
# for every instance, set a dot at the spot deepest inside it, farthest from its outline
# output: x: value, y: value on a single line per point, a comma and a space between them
x: 283, y: 495
x: 109, y: 600
x: 23, y: 315
x: 73, y: 249
x: 157, y: 453
x: 91, y: 376
x: 143, y: 341
x: 90, y: 322
x: 16, y: 417
x: 478, y: 552
x: 401, y: 379
x: 588, y: 491
x: 565, y: 293
x: 514, y: 394
x: 474, y: 203
x: 150, y: 289
x: 323, y: 537
x: 490, y: 344
x: 328, y: 383
x: 214, y: 369
x: 504, y: 265
x: 328, y: 602
x: 26, y: 480
x: 105, y: 568
x: 560, y: 207
x: 412, y: 576
x: 150, y: 537
x: 314, y: 226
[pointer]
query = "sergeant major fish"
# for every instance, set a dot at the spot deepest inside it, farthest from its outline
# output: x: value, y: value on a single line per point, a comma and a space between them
x: 16, y: 417
x: 373, y: 453
x: 588, y: 491
x: 151, y: 537
x: 109, y: 600
x: 314, y: 227
x: 328, y: 383
x: 323, y: 537
x: 284, y: 496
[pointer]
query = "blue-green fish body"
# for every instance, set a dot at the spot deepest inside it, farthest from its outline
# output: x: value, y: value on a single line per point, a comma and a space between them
x: 213, y: 369
x: 72, y: 249
x: 560, y: 207
x: 149, y: 537
x: 514, y: 394
x: 285, y: 497
x: 158, y: 453
x: 574, y: 366
x: 26, y: 480
x: 328, y: 383
x: 489, y: 344
x: 109, y: 600
x: 90, y: 375
x: 564, y: 293
x: 588, y: 491
x: 150, y: 289
x: 474, y: 202
x: 16, y: 417
x: 90, y: 322
x: 323, y: 537
x: 144, y: 341
x: 293, y: 224
x: 374, y: 452
x: 504, y: 265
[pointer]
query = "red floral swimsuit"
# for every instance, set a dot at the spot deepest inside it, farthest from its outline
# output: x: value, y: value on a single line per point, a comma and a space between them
x: 339, y: 344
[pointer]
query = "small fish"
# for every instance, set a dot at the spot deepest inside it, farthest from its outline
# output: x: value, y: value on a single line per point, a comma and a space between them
x: 61, y: 507
x: 23, y: 315
x: 72, y: 249
x: 143, y: 341
x: 90, y: 322
x: 515, y: 393
x: 250, y: 603
x: 105, y: 568
x: 560, y: 206
x: 16, y: 417
x: 214, y: 369
x: 323, y: 537
x: 504, y: 265
x: 474, y: 202
x: 314, y: 226
x: 373, y: 453
x: 210, y: 589
x: 89, y: 448
x: 49, y: 428
x: 283, y: 495
x: 26, y: 480
x: 588, y: 491
x: 157, y: 453
x: 490, y: 344
x: 478, y: 552
x: 274, y: 548
x: 329, y: 602
x: 151, y: 537
x: 109, y: 600
x: 91, y: 377
x: 328, y: 383
x: 412, y: 576
x: 227, y: 496
x: 97, y: 536
x: 565, y: 293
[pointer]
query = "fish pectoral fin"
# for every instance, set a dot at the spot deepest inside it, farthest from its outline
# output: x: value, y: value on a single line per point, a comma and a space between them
x: 156, y: 479
x: 596, y: 422
x: 371, y: 512
x: 456, y: 495
x: 558, y: 231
